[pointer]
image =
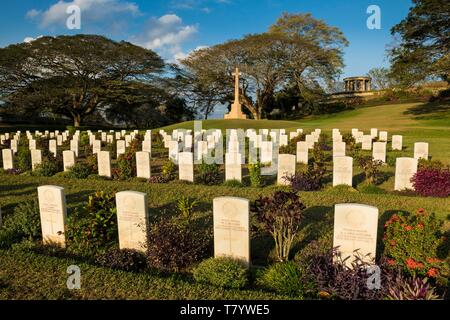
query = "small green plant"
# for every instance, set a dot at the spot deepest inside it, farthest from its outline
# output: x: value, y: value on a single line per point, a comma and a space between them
x: 23, y: 159
x: 255, y: 174
x: 46, y: 169
x: 99, y: 227
x: 286, y: 278
x: 186, y: 206
x: 222, y: 272
x: 371, y: 168
x: 208, y: 174
x: 349, y: 140
x: 168, y: 171
x: 24, y: 223
x: 80, y: 171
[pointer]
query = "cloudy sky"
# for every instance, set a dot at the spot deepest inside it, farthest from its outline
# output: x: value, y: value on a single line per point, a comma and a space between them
x: 173, y: 28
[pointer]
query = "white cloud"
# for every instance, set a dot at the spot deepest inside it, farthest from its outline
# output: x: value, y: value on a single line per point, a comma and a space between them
x: 166, y: 35
x: 31, y: 39
x: 91, y: 11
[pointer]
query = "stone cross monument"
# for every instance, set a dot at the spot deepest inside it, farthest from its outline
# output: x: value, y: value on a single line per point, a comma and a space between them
x: 236, y: 110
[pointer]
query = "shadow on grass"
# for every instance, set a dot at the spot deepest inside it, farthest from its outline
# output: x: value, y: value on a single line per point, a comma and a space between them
x: 432, y: 110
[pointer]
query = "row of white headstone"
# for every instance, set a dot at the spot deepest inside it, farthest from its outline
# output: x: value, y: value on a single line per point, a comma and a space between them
x: 355, y: 225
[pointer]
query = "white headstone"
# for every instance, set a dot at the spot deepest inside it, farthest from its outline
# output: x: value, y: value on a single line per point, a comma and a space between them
x: 233, y: 169
x: 338, y: 149
x: 342, y: 171
x: 302, y: 152
x: 104, y: 164
x: 421, y: 150
x: 366, y: 142
x: 68, y: 159
x: 120, y: 147
x: 52, y: 147
x: 405, y: 168
x: 132, y: 220
x: 355, y: 228
x: 379, y: 151
x: 36, y: 158
x: 143, y: 169
x: 232, y: 228
x: 397, y: 142
x: 7, y: 156
x: 286, y: 168
x: 186, y: 166
x: 52, y: 208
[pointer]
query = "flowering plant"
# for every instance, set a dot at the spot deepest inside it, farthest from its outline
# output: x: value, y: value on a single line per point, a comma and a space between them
x: 411, y: 242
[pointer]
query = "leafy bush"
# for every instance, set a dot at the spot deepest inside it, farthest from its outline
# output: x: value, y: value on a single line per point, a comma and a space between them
x: 186, y: 206
x: 371, y: 168
x: 23, y: 159
x: 172, y: 247
x: 349, y: 140
x: 309, y: 180
x: 222, y: 272
x: 255, y: 174
x: 430, y: 164
x: 91, y: 161
x: 46, y: 169
x: 291, y: 148
x: 333, y: 279
x: 209, y: 174
x: 411, y: 242
x: 99, y: 228
x: 280, y: 215
x: 411, y: 288
x: 286, y: 278
x: 169, y: 171
x: 126, y: 162
x: 126, y: 260
x: 432, y: 182
x: 157, y: 179
x: 80, y: 171
x: 25, y: 223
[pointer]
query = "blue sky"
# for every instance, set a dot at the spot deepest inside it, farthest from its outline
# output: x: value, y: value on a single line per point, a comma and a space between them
x: 173, y: 28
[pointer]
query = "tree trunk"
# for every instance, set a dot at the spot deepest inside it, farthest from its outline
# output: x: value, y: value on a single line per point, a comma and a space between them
x: 77, y: 121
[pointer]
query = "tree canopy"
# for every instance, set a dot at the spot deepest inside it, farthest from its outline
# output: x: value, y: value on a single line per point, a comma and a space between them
x: 75, y: 76
x: 424, y: 48
x: 297, y: 50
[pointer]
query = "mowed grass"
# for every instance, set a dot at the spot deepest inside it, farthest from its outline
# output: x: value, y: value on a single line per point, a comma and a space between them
x: 417, y: 122
x: 26, y: 275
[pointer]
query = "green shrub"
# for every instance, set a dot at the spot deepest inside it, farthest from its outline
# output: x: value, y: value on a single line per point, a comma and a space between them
x: 371, y: 168
x: 168, y: 171
x: 349, y: 140
x: 23, y: 159
x: 126, y: 260
x: 99, y: 227
x: 430, y: 164
x: 255, y: 174
x: 286, y: 278
x: 412, y: 241
x: 208, y: 174
x: 222, y: 272
x: 46, y: 169
x: 127, y: 161
x: 25, y: 223
x: 80, y: 171
x: 172, y: 246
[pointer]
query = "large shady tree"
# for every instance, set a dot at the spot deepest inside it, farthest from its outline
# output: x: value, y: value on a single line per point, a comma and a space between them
x: 298, y: 50
x: 424, y: 47
x: 74, y: 76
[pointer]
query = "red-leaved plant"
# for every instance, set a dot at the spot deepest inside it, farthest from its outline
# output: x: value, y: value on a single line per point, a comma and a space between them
x: 432, y: 182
